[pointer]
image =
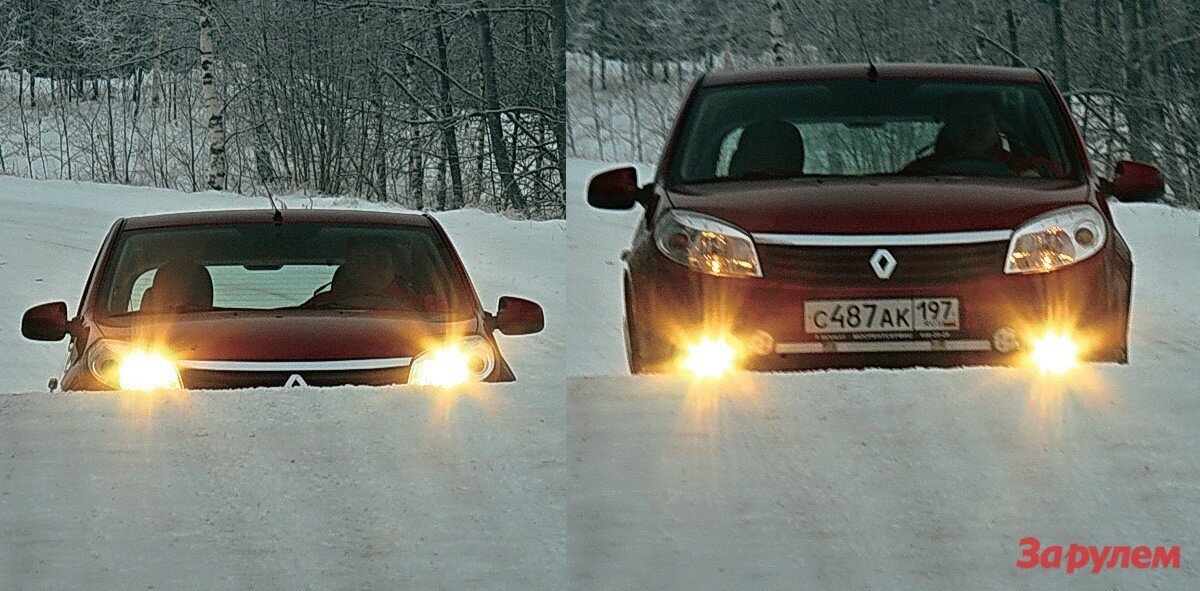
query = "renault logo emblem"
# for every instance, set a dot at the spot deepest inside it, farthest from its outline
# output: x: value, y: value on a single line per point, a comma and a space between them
x: 296, y: 382
x: 884, y: 263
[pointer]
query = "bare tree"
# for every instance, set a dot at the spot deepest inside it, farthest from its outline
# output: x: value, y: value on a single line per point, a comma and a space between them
x: 1130, y: 69
x: 383, y: 99
x: 212, y: 103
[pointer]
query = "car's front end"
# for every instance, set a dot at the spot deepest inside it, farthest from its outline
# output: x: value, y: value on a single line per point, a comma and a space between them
x: 222, y: 350
x: 801, y: 301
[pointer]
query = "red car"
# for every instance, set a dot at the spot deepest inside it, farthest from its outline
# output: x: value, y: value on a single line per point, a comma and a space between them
x: 234, y: 299
x: 862, y: 215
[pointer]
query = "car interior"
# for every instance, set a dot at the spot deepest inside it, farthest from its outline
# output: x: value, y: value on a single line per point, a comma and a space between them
x: 812, y: 128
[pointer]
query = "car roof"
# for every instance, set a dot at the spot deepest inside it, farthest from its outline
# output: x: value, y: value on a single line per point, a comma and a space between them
x: 266, y: 216
x: 886, y: 71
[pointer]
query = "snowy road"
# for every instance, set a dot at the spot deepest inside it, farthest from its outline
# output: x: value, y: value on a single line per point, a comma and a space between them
x: 882, y: 479
x: 352, y: 488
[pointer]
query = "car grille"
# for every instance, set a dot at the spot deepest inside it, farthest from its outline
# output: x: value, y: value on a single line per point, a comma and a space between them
x: 850, y: 266
x: 205, y: 379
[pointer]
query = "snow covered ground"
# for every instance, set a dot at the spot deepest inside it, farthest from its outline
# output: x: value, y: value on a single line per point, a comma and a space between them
x: 882, y: 479
x: 352, y: 488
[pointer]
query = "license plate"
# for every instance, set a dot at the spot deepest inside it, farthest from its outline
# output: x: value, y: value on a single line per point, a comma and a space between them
x: 891, y: 315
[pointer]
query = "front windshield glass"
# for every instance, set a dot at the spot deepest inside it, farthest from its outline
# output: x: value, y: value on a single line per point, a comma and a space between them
x: 858, y: 128
x: 289, y: 267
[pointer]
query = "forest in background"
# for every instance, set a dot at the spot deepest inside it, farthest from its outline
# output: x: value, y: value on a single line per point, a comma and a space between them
x: 1130, y: 68
x: 432, y: 104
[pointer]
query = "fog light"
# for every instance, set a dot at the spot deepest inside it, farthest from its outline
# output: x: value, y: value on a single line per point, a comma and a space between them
x: 141, y: 370
x: 1005, y: 340
x: 709, y: 358
x: 1055, y: 353
x: 1085, y: 236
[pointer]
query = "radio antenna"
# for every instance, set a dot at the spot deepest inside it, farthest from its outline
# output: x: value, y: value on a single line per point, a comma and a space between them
x: 277, y: 217
x: 872, y: 71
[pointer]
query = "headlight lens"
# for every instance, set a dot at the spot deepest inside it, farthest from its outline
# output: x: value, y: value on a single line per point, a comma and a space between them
x: 1057, y: 239
x: 455, y: 363
x: 706, y: 244
x: 124, y: 366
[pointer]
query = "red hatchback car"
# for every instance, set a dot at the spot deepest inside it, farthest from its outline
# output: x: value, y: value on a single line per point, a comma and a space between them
x: 246, y: 298
x: 861, y: 215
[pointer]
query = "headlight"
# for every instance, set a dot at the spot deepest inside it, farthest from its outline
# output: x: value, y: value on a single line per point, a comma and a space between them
x: 1056, y: 239
x: 122, y: 365
x: 706, y: 244
x: 467, y: 360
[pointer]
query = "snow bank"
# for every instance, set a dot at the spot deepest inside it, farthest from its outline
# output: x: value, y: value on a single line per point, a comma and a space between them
x: 909, y: 479
x: 346, y: 488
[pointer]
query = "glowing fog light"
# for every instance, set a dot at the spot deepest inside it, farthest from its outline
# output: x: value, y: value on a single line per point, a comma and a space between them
x: 453, y: 364
x: 142, y: 370
x: 1055, y: 353
x: 709, y: 358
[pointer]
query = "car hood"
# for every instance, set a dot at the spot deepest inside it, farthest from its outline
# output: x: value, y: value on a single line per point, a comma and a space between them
x: 291, y: 336
x: 891, y: 205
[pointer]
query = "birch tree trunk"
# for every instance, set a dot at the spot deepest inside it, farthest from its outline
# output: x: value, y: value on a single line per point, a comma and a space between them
x: 416, y: 154
x: 776, y: 31
x: 212, y: 103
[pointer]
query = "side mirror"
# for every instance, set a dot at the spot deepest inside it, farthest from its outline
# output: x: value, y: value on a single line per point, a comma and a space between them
x: 516, y: 316
x: 47, y: 322
x: 615, y: 189
x: 1134, y: 181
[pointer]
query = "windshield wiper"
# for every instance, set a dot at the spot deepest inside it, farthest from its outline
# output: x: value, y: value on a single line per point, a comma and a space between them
x: 758, y: 175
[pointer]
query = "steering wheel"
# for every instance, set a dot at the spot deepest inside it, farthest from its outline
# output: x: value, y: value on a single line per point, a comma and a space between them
x: 971, y: 166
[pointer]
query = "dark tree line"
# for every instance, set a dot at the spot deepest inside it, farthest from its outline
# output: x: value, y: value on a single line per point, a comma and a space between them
x: 434, y: 104
x: 1131, y: 68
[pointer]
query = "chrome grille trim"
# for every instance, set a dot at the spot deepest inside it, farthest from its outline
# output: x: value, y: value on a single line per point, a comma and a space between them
x: 297, y: 366
x: 930, y: 239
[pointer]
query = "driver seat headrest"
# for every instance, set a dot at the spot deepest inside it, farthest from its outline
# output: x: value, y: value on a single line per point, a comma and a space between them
x: 179, y: 283
x: 771, y: 146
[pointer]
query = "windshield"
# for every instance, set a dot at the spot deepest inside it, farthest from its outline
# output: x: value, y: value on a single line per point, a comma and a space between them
x: 858, y: 128
x: 297, y: 266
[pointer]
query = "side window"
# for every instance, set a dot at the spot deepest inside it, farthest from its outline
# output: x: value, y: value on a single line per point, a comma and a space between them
x: 140, y: 285
x: 728, y: 144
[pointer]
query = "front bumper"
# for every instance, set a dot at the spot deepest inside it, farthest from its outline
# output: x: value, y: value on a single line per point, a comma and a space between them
x: 670, y: 306
x: 223, y: 375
